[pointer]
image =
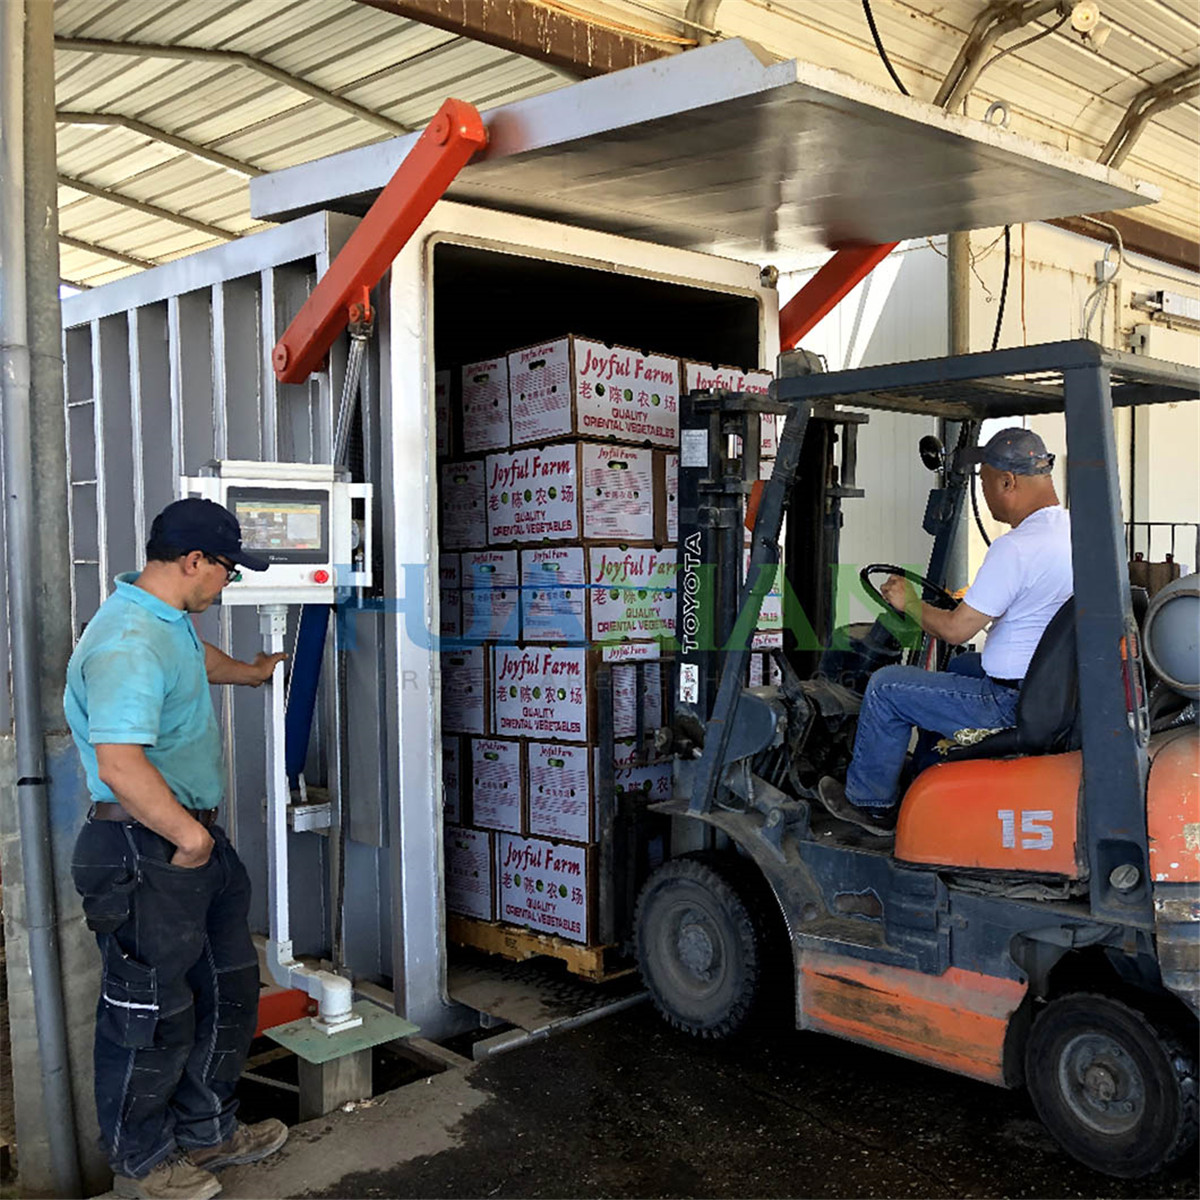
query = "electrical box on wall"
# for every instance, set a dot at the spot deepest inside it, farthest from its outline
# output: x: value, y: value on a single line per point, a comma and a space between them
x: 306, y: 519
x: 1171, y: 345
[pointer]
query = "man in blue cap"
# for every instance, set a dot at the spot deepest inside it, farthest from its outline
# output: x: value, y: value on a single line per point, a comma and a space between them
x: 162, y: 888
x: 1023, y: 581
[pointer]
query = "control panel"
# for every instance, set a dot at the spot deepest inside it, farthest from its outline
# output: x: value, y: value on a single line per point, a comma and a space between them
x: 307, y: 519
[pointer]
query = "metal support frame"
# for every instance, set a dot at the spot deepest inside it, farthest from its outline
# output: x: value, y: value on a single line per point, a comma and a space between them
x: 120, y: 121
x: 150, y: 210
x: 1144, y: 107
x: 1115, y: 762
x: 764, y: 560
x: 231, y: 58
x: 130, y: 260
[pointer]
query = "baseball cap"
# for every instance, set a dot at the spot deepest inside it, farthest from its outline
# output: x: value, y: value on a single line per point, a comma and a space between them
x: 1018, y: 450
x: 195, y: 524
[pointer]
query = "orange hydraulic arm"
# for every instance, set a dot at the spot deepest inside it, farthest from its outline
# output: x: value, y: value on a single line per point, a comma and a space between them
x: 832, y: 283
x: 446, y: 146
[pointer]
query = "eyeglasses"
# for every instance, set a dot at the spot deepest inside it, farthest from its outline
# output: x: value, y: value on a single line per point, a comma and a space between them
x: 233, y: 575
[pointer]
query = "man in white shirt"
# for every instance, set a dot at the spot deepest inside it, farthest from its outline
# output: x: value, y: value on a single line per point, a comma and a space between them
x: 1024, y: 580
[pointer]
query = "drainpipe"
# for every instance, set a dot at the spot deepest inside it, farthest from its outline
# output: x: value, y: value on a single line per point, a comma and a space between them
x: 32, y: 800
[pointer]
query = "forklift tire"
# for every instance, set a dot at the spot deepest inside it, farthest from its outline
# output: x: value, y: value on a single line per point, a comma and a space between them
x: 702, y: 943
x: 1116, y: 1091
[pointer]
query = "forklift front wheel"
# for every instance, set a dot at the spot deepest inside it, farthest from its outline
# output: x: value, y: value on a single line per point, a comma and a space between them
x: 1117, y: 1091
x: 700, y: 944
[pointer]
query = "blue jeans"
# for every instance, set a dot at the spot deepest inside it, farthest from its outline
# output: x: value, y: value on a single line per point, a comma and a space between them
x: 179, y: 990
x: 899, y: 698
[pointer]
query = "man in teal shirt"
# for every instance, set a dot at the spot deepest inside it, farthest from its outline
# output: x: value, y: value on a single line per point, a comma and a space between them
x: 163, y: 889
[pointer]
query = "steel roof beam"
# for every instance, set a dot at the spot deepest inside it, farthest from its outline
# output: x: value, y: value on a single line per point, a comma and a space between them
x: 151, y: 210
x: 129, y: 260
x: 119, y: 120
x: 232, y: 58
x: 559, y: 38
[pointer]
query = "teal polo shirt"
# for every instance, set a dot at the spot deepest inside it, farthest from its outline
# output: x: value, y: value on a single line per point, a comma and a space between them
x: 137, y: 677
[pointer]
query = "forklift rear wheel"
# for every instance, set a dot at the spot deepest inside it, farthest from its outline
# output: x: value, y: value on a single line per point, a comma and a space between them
x: 1117, y: 1091
x: 701, y: 943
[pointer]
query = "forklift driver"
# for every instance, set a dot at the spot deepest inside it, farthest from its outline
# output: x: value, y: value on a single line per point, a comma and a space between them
x: 1024, y: 579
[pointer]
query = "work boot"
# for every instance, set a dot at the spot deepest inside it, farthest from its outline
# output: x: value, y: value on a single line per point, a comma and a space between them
x: 878, y: 821
x: 175, y: 1178
x: 247, y: 1144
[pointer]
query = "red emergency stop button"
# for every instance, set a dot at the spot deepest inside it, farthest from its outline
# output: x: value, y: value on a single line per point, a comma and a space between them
x: 321, y: 576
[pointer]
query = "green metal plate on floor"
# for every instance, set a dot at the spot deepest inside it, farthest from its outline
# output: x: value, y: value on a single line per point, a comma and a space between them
x: 303, y: 1039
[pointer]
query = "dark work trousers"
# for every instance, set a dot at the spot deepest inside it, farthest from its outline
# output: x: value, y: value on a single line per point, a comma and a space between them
x: 179, y: 991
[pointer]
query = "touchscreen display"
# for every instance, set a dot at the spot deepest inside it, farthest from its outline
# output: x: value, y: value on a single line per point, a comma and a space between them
x: 285, y: 525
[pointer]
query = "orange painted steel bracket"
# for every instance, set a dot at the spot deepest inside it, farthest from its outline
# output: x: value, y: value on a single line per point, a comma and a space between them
x: 831, y: 284
x: 447, y: 145
x: 280, y: 1006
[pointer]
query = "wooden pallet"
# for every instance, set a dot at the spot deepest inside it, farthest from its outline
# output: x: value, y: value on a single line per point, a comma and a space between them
x: 599, y: 964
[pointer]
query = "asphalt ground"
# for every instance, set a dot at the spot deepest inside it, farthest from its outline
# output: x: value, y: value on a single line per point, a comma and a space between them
x: 627, y: 1107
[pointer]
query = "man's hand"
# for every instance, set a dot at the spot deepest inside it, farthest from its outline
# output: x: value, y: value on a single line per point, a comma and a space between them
x: 195, y: 851
x: 220, y: 668
x: 263, y: 667
x: 901, y: 595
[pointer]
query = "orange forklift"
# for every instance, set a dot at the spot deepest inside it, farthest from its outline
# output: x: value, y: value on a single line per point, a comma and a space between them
x: 1036, y: 920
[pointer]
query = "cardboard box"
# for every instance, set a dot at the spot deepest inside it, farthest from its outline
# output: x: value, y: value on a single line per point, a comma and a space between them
x: 763, y: 668
x: 576, y: 387
x: 572, y: 594
x: 670, y: 498
x: 548, y: 692
x: 631, y: 594
x: 491, y: 598
x: 546, y: 886
x: 564, y: 786
x: 561, y: 791
x: 450, y: 609
x: 497, y: 784
x: 465, y: 690
x: 651, y: 782
x: 705, y: 377
x: 553, y: 596
x: 470, y: 864
x: 463, y: 505
x: 453, y: 808
x: 443, y: 426
x: 485, y: 406
x: 579, y: 492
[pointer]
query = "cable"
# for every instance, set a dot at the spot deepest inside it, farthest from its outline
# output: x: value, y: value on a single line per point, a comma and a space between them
x: 1003, y: 285
x: 883, y: 54
x: 1037, y: 37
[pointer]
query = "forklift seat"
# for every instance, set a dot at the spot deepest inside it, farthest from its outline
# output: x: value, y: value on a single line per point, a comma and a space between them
x: 1048, y: 707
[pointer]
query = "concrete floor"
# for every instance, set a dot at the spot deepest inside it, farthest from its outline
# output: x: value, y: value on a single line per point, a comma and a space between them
x: 626, y: 1107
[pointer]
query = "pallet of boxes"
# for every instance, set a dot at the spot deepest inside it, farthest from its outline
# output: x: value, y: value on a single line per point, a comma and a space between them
x: 557, y: 587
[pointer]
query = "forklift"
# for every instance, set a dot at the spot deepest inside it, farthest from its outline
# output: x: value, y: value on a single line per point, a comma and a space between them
x: 1035, y: 921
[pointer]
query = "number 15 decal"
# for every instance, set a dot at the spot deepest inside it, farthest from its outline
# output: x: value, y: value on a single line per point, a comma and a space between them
x: 1035, y: 823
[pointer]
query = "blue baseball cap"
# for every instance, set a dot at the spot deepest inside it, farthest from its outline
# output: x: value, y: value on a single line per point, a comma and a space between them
x: 194, y: 524
x: 1018, y: 450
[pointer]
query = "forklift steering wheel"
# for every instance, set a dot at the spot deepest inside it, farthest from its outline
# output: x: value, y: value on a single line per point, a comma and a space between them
x: 940, y: 597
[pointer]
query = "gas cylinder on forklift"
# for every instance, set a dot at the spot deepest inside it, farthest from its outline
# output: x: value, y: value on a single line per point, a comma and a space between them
x: 1037, y: 920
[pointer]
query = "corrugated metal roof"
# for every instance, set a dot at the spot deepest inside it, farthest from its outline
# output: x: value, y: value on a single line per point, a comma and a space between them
x: 1059, y: 90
